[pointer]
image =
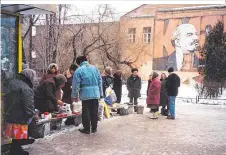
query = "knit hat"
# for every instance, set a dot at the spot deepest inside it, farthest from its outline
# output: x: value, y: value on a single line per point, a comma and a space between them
x: 60, y: 79
x: 30, y: 74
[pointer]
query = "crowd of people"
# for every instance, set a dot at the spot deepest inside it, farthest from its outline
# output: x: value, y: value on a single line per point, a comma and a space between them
x: 162, y: 92
x: 82, y: 81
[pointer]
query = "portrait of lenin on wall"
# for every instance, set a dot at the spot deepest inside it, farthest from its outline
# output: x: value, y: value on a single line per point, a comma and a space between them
x: 185, y: 41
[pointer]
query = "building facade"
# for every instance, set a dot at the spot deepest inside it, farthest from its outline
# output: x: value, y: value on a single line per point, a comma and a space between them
x: 171, y: 35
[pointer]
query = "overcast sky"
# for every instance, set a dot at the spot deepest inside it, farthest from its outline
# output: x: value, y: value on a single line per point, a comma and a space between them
x: 119, y: 7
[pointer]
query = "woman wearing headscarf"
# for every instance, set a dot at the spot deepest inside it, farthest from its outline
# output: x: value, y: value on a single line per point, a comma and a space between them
x: 153, y: 98
x: 52, y: 71
x: 107, y: 79
x: 45, y: 94
x: 19, y: 110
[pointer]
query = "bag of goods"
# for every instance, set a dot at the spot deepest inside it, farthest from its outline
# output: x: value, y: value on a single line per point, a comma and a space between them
x: 77, y: 107
x: 110, y: 96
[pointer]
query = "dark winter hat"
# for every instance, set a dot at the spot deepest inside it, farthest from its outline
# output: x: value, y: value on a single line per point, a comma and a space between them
x: 81, y: 59
x: 73, y: 67
x: 60, y: 79
x: 134, y: 70
x: 170, y: 70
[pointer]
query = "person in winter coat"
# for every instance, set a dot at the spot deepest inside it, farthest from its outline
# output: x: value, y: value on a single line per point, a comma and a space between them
x: 153, y: 98
x: 68, y: 85
x: 45, y: 94
x: 134, y: 87
x: 51, y: 72
x: 107, y: 79
x: 87, y: 85
x: 164, y: 100
x: 117, y: 86
x: 67, y: 89
x: 19, y: 110
x: 149, y: 82
x: 172, y: 85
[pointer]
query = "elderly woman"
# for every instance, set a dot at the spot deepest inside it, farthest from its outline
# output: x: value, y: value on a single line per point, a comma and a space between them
x: 107, y: 79
x: 19, y: 110
x: 52, y: 72
x: 45, y: 94
x: 153, y: 98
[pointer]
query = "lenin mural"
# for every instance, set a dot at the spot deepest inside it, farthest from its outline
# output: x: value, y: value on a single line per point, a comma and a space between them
x: 185, y: 41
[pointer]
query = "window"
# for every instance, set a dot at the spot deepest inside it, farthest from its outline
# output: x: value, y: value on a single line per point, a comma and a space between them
x: 147, y: 34
x: 132, y: 35
x: 9, y: 48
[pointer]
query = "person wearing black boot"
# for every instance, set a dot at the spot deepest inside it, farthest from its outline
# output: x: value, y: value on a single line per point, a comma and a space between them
x: 19, y: 110
x: 87, y: 85
x: 134, y: 87
x: 164, y: 96
x: 67, y: 91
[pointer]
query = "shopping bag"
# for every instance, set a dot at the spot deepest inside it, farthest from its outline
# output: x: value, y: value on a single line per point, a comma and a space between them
x: 110, y: 96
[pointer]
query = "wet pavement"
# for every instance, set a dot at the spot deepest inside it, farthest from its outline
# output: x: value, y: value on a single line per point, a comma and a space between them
x: 197, y: 130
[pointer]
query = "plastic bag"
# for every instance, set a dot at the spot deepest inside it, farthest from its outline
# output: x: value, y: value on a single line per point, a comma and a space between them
x: 77, y: 106
x: 110, y: 96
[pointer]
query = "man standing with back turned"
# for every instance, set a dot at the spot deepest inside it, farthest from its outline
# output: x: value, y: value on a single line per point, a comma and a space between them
x: 172, y: 85
x: 87, y: 84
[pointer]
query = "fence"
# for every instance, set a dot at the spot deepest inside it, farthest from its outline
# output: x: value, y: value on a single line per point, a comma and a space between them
x: 194, y: 100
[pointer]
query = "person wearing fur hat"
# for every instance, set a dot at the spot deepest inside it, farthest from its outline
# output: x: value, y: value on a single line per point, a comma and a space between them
x: 45, y: 94
x: 153, y: 98
x: 19, y: 110
x: 51, y: 72
x: 134, y: 87
x: 107, y: 79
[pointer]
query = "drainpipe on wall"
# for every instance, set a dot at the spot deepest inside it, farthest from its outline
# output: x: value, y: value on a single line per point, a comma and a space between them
x: 153, y: 49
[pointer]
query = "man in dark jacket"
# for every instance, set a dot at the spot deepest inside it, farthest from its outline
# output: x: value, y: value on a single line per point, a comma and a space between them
x: 172, y: 85
x: 45, y: 94
x: 19, y: 110
x: 134, y: 87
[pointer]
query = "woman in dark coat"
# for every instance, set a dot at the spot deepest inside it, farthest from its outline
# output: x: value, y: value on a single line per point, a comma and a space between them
x: 164, y: 95
x: 45, y: 94
x: 67, y: 89
x: 134, y: 87
x: 68, y: 85
x: 117, y: 86
x: 19, y: 110
x: 107, y: 79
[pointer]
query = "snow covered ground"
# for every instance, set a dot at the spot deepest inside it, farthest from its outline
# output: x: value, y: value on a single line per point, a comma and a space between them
x: 187, y: 94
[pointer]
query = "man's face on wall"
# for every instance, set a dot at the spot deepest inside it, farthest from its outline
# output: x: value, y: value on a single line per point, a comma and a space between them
x: 188, y: 38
